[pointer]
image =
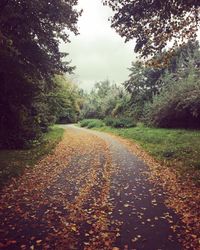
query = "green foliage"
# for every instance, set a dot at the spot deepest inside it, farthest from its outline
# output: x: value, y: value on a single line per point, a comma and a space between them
x: 178, y: 105
x: 84, y: 123
x: 64, y: 101
x: 143, y: 84
x: 162, y: 97
x: 92, y: 123
x: 167, y: 97
x: 29, y: 58
x: 105, y: 99
x: 122, y: 122
x: 13, y: 162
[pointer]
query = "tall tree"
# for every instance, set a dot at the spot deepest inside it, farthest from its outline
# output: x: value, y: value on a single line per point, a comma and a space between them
x: 30, y: 32
x: 143, y: 83
x: 153, y: 23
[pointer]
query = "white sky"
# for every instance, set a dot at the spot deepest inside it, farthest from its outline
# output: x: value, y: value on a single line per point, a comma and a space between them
x: 98, y: 53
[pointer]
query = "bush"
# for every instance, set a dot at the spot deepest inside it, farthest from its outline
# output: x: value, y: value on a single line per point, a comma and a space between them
x: 84, y: 122
x: 177, y: 106
x: 123, y: 122
x: 92, y: 123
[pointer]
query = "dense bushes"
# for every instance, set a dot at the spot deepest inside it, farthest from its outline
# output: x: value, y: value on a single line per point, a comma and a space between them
x: 167, y: 97
x: 177, y: 106
x: 92, y: 123
x: 122, y: 122
x: 109, y: 121
x: 23, y: 119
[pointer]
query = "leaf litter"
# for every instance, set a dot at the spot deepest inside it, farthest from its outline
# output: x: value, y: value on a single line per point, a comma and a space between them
x: 66, y: 201
x: 181, y: 194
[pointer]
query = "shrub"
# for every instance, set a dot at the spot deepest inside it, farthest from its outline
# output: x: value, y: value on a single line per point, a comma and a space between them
x: 109, y: 121
x: 92, y: 123
x: 84, y: 122
x: 177, y: 106
x: 123, y: 122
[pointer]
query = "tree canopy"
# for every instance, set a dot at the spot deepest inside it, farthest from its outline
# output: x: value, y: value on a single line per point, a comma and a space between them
x: 167, y: 97
x: 154, y: 23
x: 105, y: 99
x: 160, y: 97
x: 30, y: 32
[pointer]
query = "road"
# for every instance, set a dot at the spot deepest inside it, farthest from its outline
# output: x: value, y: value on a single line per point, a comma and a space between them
x: 91, y: 193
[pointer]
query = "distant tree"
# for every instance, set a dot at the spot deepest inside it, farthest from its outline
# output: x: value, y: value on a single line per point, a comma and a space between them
x: 65, y: 101
x: 143, y: 83
x: 156, y: 22
x: 102, y: 88
x: 105, y: 99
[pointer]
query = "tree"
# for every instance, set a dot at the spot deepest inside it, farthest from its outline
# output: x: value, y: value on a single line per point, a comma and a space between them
x: 143, y: 83
x: 146, y: 82
x: 105, y: 99
x: 30, y: 32
x: 177, y: 105
x: 154, y: 23
x: 65, y: 101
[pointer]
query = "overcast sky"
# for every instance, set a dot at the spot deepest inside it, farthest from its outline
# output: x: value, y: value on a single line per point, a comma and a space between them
x: 98, y: 53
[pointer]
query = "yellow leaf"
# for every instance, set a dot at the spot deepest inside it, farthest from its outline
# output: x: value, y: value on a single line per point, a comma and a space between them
x: 126, y: 205
x: 73, y: 228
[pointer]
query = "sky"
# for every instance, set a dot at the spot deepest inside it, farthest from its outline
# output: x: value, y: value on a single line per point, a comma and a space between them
x: 98, y: 52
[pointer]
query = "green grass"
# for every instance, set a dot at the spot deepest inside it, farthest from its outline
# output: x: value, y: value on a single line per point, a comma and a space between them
x: 13, y: 162
x: 177, y: 148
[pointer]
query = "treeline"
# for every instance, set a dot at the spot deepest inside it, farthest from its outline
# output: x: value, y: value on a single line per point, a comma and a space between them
x: 167, y: 96
x: 33, y: 91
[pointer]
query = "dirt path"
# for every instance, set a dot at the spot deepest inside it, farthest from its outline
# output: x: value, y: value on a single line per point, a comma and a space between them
x: 91, y: 193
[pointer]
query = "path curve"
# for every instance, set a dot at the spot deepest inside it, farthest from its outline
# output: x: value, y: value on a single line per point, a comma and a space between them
x: 91, y: 193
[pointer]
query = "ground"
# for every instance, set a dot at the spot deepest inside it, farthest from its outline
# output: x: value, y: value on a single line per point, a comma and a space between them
x: 92, y: 192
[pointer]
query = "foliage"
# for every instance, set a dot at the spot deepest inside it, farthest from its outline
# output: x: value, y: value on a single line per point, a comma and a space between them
x: 29, y: 58
x: 13, y: 162
x: 155, y: 23
x: 163, y: 97
x: 121, y: 122
x: 92, y: 123
x: 149, y: 84
x: 105, y: 99
x: 61, y: 103
x: 177, y: 106
x: 143, y: 83
x: 65, y: 101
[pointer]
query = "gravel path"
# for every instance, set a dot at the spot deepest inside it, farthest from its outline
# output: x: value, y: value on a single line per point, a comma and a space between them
x: 92, y: 194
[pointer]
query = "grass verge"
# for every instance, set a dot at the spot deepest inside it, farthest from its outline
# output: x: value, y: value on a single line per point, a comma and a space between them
x: 177, y: 148
x: 13, y: 162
